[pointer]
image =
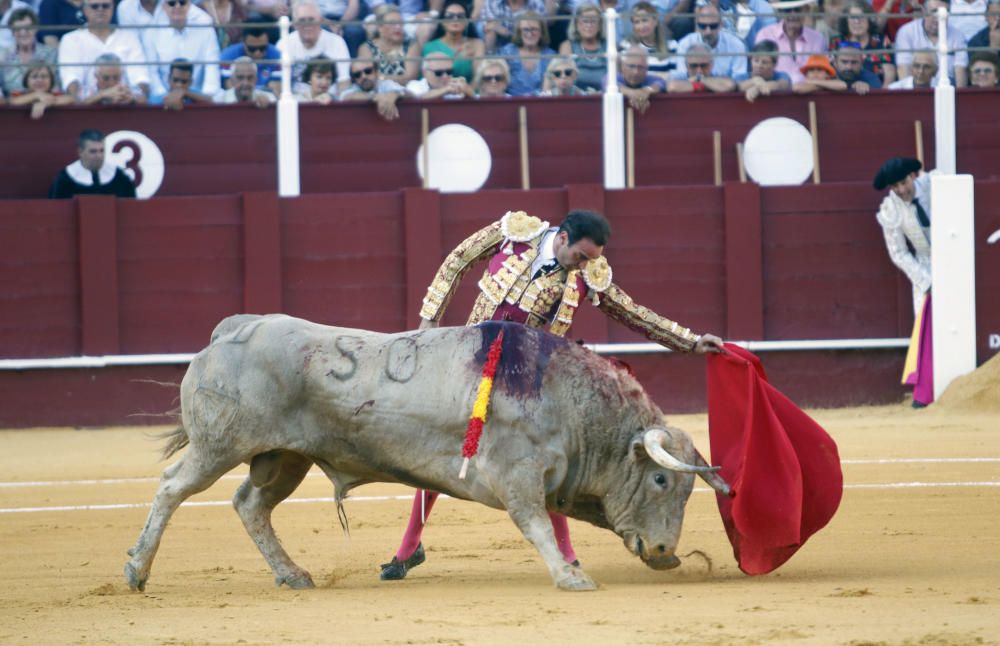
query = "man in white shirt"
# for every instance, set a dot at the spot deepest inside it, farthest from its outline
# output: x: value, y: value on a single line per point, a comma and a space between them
x: 310, y: 40
x: 80, y: 48
x: 143, y: 13
x: 110, y: 89
x: 182, y: 40
x: 967, y: 16
x: 439, y: 80
x: 244, y: 86
x: 922, y: 33
x: 728, y: 51
x: 924, y: 67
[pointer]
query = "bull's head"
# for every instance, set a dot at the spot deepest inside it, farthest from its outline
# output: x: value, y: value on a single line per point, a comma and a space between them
x: 648, y: 515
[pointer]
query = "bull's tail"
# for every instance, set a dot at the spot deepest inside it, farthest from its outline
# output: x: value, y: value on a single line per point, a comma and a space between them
x: 177, y: 439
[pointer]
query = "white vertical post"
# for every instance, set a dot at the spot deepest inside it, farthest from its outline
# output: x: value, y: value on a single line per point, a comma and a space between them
x: 953, y: 278
x: 944, y: 103
x: 613, y: 113
x: 288, y: 124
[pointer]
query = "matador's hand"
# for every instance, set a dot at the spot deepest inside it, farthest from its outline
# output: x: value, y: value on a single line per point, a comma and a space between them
x: 708, y: 343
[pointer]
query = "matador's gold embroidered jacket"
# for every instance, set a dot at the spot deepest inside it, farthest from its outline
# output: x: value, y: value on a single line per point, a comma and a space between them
x: 507, y: 291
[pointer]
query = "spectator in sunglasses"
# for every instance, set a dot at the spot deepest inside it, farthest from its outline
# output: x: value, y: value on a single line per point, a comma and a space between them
x: 367, y: 86
x: 243, y: 88
x: 182, y: 40
x: 492, y: 78
x: 728, y: 51
x: 698, y: 74
x: 439, y: 80
x: 763, y: 78
x: 795, y: 41
x: 79, y: 49
x: 256, y: 46
x: 456, y: 36
x: 560, y: 78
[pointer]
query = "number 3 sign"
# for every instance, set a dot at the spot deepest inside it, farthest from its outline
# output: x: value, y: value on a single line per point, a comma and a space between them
x: 139, y: 156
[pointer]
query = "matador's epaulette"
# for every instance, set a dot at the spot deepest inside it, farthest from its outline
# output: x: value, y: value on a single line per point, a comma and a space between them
x: 597, y: 275
x: 518, y: 226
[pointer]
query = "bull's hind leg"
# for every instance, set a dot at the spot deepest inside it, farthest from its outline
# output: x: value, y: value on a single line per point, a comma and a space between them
x: 273, y: 477
x: 191, y: 474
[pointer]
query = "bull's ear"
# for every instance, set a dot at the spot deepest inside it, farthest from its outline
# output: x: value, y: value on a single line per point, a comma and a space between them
x: 637, y: 449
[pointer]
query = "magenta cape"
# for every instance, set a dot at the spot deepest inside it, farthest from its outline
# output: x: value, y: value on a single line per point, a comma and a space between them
x: 782, y: 466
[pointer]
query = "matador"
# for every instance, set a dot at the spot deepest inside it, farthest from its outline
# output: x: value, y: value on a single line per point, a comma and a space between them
x: 537, y: 275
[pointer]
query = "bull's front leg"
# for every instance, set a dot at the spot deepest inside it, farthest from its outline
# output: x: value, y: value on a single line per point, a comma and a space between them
x: 526, y: 506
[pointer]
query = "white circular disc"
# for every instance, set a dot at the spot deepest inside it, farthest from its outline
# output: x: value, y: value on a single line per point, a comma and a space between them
x: 778, y: 152
x: 459, y: 158
x: 139, y: 156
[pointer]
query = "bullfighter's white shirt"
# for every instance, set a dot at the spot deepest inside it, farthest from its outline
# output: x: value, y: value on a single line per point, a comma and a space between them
x: 546, y: 250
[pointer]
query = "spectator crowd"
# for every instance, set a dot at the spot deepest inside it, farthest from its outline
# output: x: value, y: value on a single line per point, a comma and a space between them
x: 179, y: 52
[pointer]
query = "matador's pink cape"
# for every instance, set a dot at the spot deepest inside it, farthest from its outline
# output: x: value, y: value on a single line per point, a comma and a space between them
x: 783, y: 467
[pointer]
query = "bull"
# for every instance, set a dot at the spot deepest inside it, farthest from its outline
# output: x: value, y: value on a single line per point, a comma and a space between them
x: 567, y: 432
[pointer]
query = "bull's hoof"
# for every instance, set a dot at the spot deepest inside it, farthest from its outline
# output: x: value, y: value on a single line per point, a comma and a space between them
x: 395, y: 569
x: 298, y: 581
x: 135, y: 582
x: 576, y: 581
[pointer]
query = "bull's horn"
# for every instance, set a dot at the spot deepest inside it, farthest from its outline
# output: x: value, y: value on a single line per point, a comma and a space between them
x: 655, y: 439
x: 713, y: 479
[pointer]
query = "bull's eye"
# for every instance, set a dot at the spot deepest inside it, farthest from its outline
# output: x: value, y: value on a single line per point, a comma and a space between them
x: 660, y: 479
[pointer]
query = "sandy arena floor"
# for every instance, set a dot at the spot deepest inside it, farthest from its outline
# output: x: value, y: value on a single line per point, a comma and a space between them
x: 912, y: 557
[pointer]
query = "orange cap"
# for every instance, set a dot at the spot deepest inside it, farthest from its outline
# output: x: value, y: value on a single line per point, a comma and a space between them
x: 818, y: 62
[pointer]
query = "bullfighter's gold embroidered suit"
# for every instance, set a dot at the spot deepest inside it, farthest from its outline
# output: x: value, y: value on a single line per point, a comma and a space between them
x: 509, y: 291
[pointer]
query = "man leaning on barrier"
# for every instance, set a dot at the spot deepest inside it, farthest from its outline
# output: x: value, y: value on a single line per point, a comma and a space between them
x: 367, y: 86
x: 635, y: 81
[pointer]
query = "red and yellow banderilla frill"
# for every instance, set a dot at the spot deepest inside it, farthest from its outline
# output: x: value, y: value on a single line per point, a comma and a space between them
x: 480, y: 408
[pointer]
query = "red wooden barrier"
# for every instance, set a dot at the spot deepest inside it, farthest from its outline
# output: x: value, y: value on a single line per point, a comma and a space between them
x: 99, y: 275
x: 348, y: 148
